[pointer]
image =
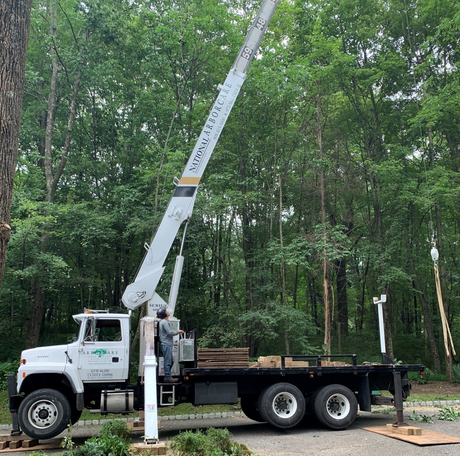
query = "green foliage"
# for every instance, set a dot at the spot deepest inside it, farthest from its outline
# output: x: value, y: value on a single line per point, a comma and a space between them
x: 418, y: 377
x: 414, y: 416
x: 7, y: 368
x: 112, y: 440
x: 456, y: 368
x: 267, y: 326
x: 431, y: 376
x: 117, y: 428
x: 418, y: 417
x: 449, y: 414
x: 67, y: 442
x: 215, y: 442
x: 336, y: 116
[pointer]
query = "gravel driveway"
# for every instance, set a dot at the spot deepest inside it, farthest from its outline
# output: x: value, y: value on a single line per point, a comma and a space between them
x: 308, y: 437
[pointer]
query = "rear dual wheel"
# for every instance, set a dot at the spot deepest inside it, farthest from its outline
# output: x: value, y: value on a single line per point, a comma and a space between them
x: 250, y: 408
x: 335, y: 406
x: 282, y: 405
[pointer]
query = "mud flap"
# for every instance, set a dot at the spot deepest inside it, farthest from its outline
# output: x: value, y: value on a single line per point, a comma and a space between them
x: 364, y: 394
x: 15, y: 401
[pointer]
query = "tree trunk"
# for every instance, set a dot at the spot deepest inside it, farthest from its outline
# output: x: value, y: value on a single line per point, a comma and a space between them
x: 387, y: 312
x: 327, y: 309
x: 445, y: 297
x: 342, y: 299
x: 14, y: 36
x: 36, y: 305
x: 282, y: 266
x: 35, y: 316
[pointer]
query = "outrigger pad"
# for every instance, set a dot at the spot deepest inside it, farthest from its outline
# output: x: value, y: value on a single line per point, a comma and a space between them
x: 425, y: 439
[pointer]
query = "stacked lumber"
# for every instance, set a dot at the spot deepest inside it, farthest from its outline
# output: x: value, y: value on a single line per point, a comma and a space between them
x: 268, y: 361
x: 222, y: 357
x: 289, y: 362
x: 333, y: 363
x: 10, y: 443
x: 14, y: 442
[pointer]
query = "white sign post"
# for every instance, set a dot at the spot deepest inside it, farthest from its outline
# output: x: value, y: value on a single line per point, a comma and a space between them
x: 150, y: 384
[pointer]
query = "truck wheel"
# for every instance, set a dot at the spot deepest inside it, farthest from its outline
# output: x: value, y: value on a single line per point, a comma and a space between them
x: 44, y: 414
x: 282, y: 405
x: 312, y: 403
x: 250, y: 408
x: 335, y: 406
x: 75, y: 415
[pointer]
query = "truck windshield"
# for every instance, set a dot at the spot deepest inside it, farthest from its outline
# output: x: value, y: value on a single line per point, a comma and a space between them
x: 102, y: 330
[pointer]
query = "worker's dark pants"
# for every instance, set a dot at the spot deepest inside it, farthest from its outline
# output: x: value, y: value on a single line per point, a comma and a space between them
x: 168, y: 359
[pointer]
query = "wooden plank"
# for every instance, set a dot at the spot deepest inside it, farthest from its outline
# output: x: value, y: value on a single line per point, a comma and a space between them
x: 222, y: 351
x: 222, y: 363
x: 146, y: 449
x: 49, y: 445
x: 289, y: 362
x: 201, y: 365
x: 217, y: 358
x: 425, y: 439
x: 16, y: 444
x: 4, y: 444
x: 29, y: 443
x: 10, y: 437
x: 406, y: 430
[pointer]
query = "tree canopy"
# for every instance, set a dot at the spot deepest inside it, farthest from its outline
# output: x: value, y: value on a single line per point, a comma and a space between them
x: 337, y: 171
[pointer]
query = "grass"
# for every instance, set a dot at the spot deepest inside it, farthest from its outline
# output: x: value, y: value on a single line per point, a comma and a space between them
x: 432, y: 397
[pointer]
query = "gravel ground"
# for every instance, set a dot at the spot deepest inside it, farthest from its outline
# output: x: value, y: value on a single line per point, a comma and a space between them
x: 307, y: 437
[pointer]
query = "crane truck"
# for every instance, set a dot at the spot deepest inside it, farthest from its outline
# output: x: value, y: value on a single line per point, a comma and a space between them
x: 55, y: 383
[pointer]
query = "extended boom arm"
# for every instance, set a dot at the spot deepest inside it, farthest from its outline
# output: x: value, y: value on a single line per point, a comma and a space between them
x: 181, y: 205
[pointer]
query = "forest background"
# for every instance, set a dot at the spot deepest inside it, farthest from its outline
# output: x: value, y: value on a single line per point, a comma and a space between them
x: 336, y: 173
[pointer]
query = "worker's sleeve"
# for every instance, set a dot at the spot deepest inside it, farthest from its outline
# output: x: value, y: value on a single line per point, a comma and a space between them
x: 170, y: 331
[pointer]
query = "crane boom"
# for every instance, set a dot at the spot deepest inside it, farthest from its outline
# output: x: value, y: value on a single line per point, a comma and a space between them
x: 180, y: 207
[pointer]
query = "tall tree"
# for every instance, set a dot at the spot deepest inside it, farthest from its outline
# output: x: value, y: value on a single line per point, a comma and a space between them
x: 14, y: 36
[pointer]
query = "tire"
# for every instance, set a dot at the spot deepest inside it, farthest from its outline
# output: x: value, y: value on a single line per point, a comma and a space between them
x: 75, y: 415
x: 282, y: 405
x: 44, y: 414
x: 336, y: 407
x: 312, y: 404
x: 250, y: 408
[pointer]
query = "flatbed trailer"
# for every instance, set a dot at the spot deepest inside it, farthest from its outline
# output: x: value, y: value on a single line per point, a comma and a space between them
x: 282, y: 395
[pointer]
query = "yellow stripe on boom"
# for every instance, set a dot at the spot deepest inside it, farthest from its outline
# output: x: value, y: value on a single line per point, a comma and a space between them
x: 189, y: 181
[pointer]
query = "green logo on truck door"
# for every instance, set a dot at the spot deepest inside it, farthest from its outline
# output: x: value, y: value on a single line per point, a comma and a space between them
x: 100, y: 353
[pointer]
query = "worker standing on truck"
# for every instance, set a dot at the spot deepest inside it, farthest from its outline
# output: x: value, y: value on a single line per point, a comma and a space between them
x: 166, y: 338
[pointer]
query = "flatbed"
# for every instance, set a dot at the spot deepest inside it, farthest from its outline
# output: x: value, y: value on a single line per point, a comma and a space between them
x: 282, y: 395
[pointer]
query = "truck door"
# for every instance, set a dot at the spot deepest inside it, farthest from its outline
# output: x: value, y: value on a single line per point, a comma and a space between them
x: 104, y: 351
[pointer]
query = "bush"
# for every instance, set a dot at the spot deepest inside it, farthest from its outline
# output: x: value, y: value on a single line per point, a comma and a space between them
x: 116, y: 428
x: 449, y: 414
x: 216, y: 442
x: 112, y: 440
x: 431, y: 376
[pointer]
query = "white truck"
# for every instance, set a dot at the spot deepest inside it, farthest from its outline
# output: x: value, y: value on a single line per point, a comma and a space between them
x: 55, y: 383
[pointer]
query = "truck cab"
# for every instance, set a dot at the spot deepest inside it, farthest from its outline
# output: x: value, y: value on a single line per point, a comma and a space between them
x: 55, y: 383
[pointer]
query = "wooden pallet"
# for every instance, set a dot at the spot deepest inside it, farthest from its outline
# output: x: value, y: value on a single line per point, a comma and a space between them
x: 11, y: 443
x: 222, y: 358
